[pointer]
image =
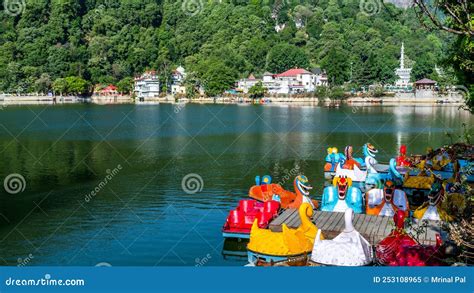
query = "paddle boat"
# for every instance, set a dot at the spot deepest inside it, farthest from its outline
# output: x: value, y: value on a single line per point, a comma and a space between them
x: 402, y: 159
x: 432, y: 209
x: 239, y: 221
x: 333, y: 158
x: 268, y: 246
x: 416, y: 185
x: 368, y: 178
x: 266, y: 191
x: 350, y: 161
x: 400, y: 249
x: 348, y: 248
x: 444, y: 163
x: 341, y: 196
x: 386, y: 200
x: 455, y: 197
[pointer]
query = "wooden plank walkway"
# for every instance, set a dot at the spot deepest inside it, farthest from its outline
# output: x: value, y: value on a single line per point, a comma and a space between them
x: 373, y: 228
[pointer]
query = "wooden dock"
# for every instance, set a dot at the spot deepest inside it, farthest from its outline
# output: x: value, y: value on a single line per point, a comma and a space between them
x: 373, y: 228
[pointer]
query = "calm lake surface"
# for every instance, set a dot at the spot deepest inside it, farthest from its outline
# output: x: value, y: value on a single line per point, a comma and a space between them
x: 142, y: 216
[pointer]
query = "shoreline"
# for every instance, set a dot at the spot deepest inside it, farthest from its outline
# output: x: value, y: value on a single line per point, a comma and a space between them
x: 306, y: 101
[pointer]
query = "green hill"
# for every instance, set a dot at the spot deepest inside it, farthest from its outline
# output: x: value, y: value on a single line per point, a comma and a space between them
x: 109, y: 40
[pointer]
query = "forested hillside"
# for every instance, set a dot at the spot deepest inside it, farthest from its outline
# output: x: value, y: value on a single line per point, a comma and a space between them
x: 106, y: 41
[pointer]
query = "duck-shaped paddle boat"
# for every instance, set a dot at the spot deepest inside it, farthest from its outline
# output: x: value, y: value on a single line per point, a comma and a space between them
x: 348, y: 249
x: 287, y: 199
x: 400, y: 249
x: 432, y: 209
x: 272, y: 246
x: 333, y: 158
x: 239, y: 221
x: 341, y: 196
x: 386, y: 200
x: 264, y: 190
x: 373, y: 170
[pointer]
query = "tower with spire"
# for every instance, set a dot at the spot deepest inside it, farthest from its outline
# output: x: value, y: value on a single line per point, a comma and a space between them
x: 403, y: 73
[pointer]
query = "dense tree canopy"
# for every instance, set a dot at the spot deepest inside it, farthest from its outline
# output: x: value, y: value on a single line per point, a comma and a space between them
x: 106, y: 41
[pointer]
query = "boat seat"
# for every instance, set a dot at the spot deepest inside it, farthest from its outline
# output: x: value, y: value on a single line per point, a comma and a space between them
x: 246, y: 206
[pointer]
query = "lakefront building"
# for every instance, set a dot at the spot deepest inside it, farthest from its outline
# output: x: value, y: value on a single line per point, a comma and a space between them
x: 147, y: 86
x: 245, y: 84
x: 293, y: 81
x: 404, y: 74
x: 178, y: 76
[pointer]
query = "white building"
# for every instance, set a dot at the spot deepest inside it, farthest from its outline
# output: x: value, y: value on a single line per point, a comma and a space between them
x: 147, y: 86
x: 178, y: 76
x: 245, y: 84
x: 293, y: 81
x: 404, y: 74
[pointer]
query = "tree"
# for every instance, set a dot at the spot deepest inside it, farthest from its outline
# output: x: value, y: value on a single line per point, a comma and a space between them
x: 218, y: 77
x: 285, y: 56
x: 125, y: 86
x: 257, y: 91
x: 43, y: 84
x: 456, y: 18
x: 60, y: 86
x: 336, y: 93
x: 76, y: 85
x: 423, y: 68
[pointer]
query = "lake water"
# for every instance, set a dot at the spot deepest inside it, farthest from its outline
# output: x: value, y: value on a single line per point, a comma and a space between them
x: 136, y: 157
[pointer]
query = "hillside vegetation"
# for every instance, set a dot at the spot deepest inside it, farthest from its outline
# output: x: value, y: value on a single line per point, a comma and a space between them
x: 108, y: 41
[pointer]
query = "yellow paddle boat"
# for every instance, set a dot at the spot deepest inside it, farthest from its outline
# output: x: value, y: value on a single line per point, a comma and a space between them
x: 272, y: 246
x: 432, y: 209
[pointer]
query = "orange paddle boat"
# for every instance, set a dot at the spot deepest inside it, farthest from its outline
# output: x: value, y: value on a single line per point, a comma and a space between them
x: 289, y: 200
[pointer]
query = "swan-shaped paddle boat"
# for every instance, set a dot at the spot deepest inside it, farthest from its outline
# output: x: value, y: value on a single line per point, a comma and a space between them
x: 272, y: 246
x: 341, y: 196
x: 288, y: 200
x: 371, y: 175
x: 240, y: 220
x: 333, y: 158
x: 350, y: 161
x: 386, y: 200
x: 348, y: 249
x: 432, y: 209
x: 400, y: 249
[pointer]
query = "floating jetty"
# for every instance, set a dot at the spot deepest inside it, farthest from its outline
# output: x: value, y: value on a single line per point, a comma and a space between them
x: 373, y: 228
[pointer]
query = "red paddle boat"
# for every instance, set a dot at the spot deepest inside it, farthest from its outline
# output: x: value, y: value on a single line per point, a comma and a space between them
x: 400, y: 249
x: 239, y: 222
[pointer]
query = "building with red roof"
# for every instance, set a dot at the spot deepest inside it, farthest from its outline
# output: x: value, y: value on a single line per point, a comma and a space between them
x: 110, y: 90
x: 292, y: 81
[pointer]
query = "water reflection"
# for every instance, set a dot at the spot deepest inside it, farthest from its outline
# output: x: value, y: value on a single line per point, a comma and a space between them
x: 143, y: 216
